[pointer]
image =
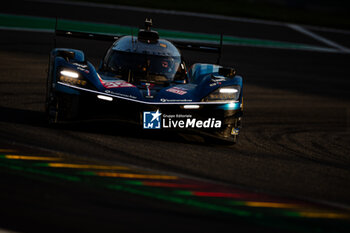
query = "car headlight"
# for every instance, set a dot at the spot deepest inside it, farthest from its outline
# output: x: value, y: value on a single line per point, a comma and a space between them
x: 70, y: 74
x: 71, y: 77
x: 224, y: 94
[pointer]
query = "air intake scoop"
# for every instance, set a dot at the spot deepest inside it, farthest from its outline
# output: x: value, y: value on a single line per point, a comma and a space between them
x: 147, y: 35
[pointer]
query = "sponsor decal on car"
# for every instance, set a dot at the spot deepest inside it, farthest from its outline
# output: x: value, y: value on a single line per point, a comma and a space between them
x: 177, y: 90
x: 116, y: 84
x: 84, y: 70
x: 82, y: 67
x: 218, y: 78
x: 157, y: 120
x: 175, y: 100
x: 120, y: 94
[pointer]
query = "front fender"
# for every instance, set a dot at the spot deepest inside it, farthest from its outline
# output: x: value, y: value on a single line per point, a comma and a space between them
x: 70, y: 55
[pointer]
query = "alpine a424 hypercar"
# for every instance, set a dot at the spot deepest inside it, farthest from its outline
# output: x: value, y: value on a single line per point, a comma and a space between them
x: 145, y: 80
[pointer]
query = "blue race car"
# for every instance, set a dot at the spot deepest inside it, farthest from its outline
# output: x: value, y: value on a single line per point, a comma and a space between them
x: 144, y: 79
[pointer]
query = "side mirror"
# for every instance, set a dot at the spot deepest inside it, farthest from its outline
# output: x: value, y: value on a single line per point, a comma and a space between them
x: 71, y: 55
x: 228, y: 72
x: 66, y: 54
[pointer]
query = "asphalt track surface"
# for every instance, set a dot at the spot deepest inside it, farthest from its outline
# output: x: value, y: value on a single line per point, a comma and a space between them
x: 294, y: 146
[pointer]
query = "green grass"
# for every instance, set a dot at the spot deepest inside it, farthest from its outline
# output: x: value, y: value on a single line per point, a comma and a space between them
x: 322, y: 12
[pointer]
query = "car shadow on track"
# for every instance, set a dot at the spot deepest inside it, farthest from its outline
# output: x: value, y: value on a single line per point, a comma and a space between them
x: 22, y: 116
x: 105, y: 127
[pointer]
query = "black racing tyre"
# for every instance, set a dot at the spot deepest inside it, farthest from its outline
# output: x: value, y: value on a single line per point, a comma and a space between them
x: 237, y: 125
x: 232, y: 131
x: 62, y: 107
x: 52, y: 108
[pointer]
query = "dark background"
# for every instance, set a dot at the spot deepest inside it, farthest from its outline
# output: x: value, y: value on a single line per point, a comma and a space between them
x: 294, y: 141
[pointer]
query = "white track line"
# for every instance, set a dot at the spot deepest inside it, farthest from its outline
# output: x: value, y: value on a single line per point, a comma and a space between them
x: 185, y: 13
x: 161, y: 11
x: 311, y: 48
x: 323, y: 29
x: 319, y: 38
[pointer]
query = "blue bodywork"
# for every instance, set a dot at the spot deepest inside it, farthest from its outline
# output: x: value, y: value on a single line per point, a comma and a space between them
x: 203, y: 80
x: 75, y: 84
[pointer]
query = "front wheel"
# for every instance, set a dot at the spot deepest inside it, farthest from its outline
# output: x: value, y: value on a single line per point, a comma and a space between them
x: 52, y: 108
x: 61, y: 107
x: 231, y: 130
x: 235, y: 129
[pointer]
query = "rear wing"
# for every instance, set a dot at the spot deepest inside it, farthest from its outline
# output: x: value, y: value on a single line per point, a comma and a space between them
x: 200, y: 47
x: 86, y: 35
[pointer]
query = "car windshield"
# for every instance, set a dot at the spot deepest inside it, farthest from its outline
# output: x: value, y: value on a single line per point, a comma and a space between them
x: 134, y: 67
